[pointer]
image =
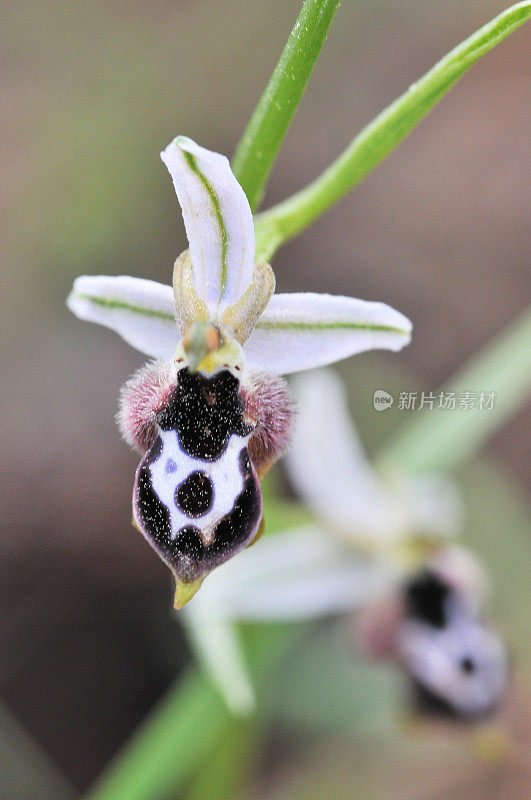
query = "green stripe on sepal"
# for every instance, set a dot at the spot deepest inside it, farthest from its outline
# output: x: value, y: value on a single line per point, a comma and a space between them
x: 216, y: 206
x: 120, y: 305
x: 323, y: 326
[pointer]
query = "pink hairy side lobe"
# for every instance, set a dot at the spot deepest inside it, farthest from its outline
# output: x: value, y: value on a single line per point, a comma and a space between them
x: 145, y: 393
x: 268, y: 401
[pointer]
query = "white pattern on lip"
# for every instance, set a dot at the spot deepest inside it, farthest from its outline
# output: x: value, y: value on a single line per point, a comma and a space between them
x: 435, y: 656
x: 224, y: 473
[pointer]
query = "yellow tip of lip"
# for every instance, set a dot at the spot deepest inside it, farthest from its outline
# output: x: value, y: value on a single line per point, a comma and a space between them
x: 184, y: 592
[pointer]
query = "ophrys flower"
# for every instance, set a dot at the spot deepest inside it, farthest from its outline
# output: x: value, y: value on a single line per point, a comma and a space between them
x: 210, y: 414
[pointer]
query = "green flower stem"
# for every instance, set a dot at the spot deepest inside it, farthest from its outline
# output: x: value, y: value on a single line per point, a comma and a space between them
x: 228, y: 770
x: 442, y: 439
x: 185, y: 729
x: 281, y: 223
x: 167, y: 748
x: 269, y: 123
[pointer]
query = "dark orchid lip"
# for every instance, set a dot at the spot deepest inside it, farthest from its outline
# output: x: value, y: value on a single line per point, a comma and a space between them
x: 201, y: 417
x: 426, y: 596
x: 187, y: 553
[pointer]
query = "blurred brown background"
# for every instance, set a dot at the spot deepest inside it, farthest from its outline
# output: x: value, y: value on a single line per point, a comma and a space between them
x: 92, y: 92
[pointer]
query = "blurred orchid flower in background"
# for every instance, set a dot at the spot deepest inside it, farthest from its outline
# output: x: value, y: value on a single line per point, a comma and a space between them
x: 430, y: 618
x: 360, y: 547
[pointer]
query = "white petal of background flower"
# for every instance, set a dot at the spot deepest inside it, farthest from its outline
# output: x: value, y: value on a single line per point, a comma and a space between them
x: 328, y: 467
x: 140, y: 311
x: 218, y: 221
x: 300, y: 574
x: 300, y: 331
x: 430, y: 503
x: 217, y: 644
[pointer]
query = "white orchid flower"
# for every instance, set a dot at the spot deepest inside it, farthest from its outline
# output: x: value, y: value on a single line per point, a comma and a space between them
x: 219, y: 282
x: 355, y: 552
x: 209, y: 416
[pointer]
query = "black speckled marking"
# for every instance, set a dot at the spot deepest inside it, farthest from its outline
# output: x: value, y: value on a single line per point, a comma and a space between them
x: 186, y: 554
x: 231, y: 534
x: 154, y: 516
x: 426, y: 598
x: 195, y: 495
x: 204, y: 412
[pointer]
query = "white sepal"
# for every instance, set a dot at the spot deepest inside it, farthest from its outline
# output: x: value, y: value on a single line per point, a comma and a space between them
x: 431, y: 504
x: 217, y: 645
x: 218, y: 222
x: 328, y: 467
x: 141, y: 311
x: 304, y: 330
x: 299, y: 574
x: 333, y: 476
